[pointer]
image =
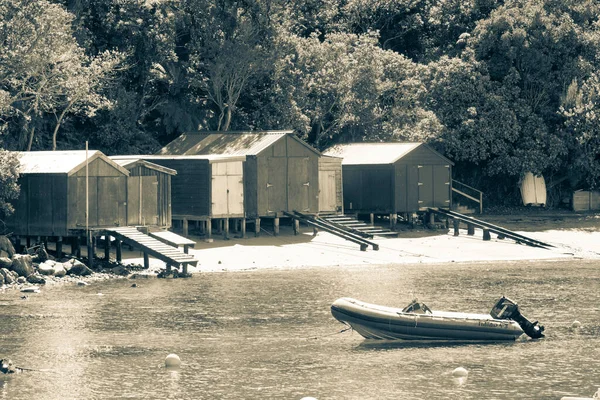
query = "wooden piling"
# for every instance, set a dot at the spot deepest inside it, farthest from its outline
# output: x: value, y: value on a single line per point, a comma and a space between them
x: 118, y: 245
x: 372, y: 219
x: 18, y: 244
x: 107, y: 247
x: 185, y: 227
x: 226, y: 228
x: 456, y: 224
x: 470, y: 229
x: 257, y: 227
x: 243, y: 227
x: 90, y: 249
x: 208, y: 229
x: 486, y: 234
x: 146, y: 261
x: 296, y: 227
x: 393, y: 221
x: 276, y: 226
x: 59, y: 251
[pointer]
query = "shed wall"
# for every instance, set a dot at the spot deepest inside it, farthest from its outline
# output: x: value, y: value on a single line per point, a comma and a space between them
x: 163, y: 193
x: 368, y: 188
x: 331, y: 197
x: 190, y: 188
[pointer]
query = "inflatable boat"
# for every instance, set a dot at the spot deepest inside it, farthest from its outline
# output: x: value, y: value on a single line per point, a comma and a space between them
x: 418, y: 322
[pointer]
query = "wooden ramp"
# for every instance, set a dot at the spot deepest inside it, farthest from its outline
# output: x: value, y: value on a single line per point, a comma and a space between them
x: 352, y: 224
x: 153, y: 247
x: 319, y: 223
x: 487, y: 228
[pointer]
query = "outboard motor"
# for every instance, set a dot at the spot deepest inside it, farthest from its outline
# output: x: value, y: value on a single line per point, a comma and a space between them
x: 505, y: 308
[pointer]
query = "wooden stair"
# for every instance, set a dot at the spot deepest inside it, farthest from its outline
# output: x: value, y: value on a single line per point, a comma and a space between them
x: 152, y: 246
x: 359, y: 227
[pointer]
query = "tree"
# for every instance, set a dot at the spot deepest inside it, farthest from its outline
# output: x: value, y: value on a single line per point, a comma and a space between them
x: 346, y: 88
x: 44, y: 70
x: 9, y: 173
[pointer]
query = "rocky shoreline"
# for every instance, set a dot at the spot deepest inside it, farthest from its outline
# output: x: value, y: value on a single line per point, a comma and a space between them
x: 25, y: 272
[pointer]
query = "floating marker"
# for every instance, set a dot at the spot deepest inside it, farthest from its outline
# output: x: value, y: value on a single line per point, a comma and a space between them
x: 576, y: 324
x: 460, y: 372
x: 172, y: 360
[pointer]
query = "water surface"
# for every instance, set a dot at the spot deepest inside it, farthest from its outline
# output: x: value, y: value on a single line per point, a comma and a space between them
x: 269, y: 334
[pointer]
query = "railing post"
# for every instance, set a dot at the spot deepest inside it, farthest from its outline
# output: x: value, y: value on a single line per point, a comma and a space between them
x: 480, y: 203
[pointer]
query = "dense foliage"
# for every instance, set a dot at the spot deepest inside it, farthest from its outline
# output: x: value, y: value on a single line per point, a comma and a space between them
x: 500, y: 87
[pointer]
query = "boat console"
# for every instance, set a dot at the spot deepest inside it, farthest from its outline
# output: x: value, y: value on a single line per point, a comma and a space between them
x: 505, y: 308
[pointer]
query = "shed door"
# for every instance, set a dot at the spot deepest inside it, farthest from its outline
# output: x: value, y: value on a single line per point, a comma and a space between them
x: 425, y: 186
x: 227, y: 189
x: 112, y: 201
x: 298, y: 184
x: 276, y: 185
x: 142, y: 205
x: 327, y: 191
x: 441, y: 186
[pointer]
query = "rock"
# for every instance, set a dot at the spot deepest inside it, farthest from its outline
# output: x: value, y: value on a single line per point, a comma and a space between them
x: 22, y: 264
x: 36, y: 279
x: 5, y: 262
x: 47, y: 268
x: 82, y: 283
x: 8, y: 277
x: 59, y: 270
x: 6, y: 245
x: 1, y: 279
x: 31, y: 289
x: 120, y: 270
x: 80, y: 269
x: 40, y: 255
x: 21, y: 279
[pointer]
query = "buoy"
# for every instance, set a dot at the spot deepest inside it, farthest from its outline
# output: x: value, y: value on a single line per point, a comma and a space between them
x: 172, y: 360
x: 576, y: 324
x: 460, y: 372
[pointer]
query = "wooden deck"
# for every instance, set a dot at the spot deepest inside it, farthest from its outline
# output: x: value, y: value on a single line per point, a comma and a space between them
x: 152, y: 246
x: 173, y: 239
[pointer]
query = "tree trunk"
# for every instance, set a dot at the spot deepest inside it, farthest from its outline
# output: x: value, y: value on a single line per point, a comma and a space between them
x: 227, y: 119
x: 31, y: 134
x: 58, y: 123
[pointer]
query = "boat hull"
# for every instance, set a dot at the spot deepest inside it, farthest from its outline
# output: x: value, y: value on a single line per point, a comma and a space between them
x: 387, y: 323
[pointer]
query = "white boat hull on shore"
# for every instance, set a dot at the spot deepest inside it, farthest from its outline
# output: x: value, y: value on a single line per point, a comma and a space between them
x: 388, y: 323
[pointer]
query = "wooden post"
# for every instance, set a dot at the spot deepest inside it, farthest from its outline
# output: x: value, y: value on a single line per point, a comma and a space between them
x: 486, y: 234
x: 257, y: 227
x: 18, y: 244
x: 119, y: 250
x: 219, y: 226
x: 470, y: 229
x: 28, y: 241
x: 90, y: 249
x: 76, y: 247
x: 209, y: 229
x: 107, y: 247
x: 393, y: 221
x: 226, y: 228
x: 168, y: 268
x: 276, y: 226
x: 146, y: 261
x: 296, y: 226
x: 243, y: 227
x: 184, y: 269
x: 372, y: 219
x: 185, y: 226
x: 59, y: 243
x: 431, y: 218
x: 456, y: 224
x: 45, y: 242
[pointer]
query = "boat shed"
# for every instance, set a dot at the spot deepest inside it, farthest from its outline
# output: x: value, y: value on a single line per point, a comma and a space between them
x: 148, y: 192
x: 52, y: 201
x: 204, y: 188
x: 280, y: 171
x: 393, y: 178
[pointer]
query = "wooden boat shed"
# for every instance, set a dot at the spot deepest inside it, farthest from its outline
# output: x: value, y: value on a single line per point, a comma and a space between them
x: 280, y: 171
x: 393, y: 178
x: 205, y: 187
x: 331, y: 193
x: 148, y: 192
x: 52, y: 201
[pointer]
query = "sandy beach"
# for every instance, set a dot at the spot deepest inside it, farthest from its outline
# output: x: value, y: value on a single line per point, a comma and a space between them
x: 305, y: 250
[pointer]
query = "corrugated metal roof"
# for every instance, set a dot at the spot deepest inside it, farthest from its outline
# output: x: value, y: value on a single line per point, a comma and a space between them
x: 131, y: 162
x: 371, y: 153
x: 211, y: 157
x: 53, y: 162
x: 231, y: 143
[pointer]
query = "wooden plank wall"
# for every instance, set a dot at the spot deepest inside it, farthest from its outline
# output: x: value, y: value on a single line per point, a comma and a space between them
x: 585, y: 200
x: 164, y: 192
x: 190, y: 188
x: 368, y: 188
x: 334, y: 165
